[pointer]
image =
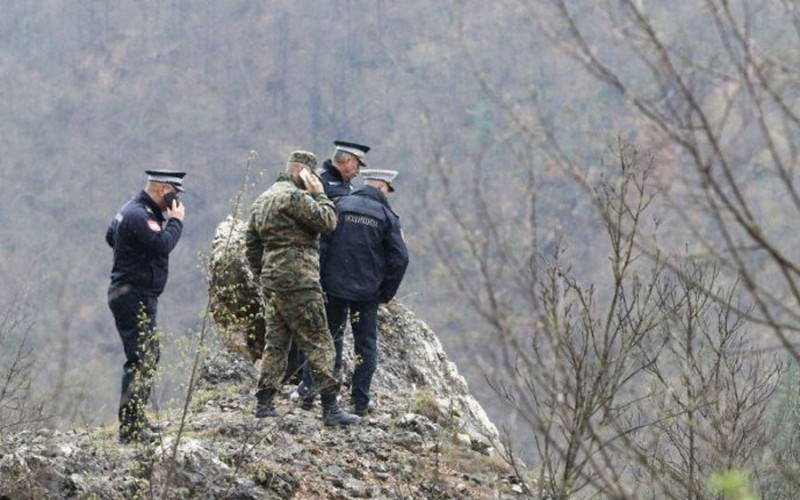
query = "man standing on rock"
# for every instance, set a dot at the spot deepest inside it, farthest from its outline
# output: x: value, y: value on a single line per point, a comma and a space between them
x: 282, y: 248
x: 348, y: 158
x: 142, y: 237
x: 365, y: 263
x: 337, y: 172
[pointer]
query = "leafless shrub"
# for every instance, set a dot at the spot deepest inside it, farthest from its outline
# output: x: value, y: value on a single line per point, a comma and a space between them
x: 640, y: 385
x: 18, y: 407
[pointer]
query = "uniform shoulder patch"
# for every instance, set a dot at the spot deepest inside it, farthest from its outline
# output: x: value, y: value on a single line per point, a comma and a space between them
x: 153, y: 225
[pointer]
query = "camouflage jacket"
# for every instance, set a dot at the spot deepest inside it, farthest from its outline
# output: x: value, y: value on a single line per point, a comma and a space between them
x: 282, y: 238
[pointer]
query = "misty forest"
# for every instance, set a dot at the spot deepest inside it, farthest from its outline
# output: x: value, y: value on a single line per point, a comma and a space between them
x: 597, y: 198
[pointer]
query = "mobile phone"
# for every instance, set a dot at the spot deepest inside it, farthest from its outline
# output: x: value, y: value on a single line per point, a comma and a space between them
x: 169, y: 198
x: 304, y: 172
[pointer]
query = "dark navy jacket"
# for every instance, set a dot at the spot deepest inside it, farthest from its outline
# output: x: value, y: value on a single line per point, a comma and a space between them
x: 333, y: 183
x: 335, y: 187
x: 367, y: 257
x: 142, y: 242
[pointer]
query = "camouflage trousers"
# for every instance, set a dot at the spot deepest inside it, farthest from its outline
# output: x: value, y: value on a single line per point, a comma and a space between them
x: 297, y: 315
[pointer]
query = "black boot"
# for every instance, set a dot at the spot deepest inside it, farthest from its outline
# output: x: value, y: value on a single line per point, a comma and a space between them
x: 137, y: 431
x: 362, y: 410
x: 265, y: 408
x: 134, y: 426
x: 306, y: 395
x: 308, y: 400
x: 154, y: 428
x: 333, y: 414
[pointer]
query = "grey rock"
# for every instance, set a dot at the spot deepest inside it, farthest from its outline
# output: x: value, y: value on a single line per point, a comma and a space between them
x: 227, y: 368
x: 408, y: 440
x: 418, y: 423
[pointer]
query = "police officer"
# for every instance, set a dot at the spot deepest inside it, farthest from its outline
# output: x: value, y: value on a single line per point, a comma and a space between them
x: 348, y: 158
x: 142, y: 234
x: 365, y: 264
x: 282, y: 248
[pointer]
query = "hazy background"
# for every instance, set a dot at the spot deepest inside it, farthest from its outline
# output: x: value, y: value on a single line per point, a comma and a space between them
x: 93, y: 93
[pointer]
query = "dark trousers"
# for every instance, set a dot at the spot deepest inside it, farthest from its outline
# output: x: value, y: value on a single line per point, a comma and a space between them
x: 364, y: 322
x: 135, y: 318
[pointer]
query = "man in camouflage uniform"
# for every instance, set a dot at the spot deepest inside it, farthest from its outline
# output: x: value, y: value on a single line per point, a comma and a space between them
x: 282, y: 248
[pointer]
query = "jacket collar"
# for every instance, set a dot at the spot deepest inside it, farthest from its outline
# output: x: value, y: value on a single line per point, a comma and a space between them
x: 331, y: 169
x: 372, y: 192
x: 150, y: 203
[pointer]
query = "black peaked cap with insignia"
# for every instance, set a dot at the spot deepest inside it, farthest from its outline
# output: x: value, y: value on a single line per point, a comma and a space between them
x: 358, y: 150
x: 171, y: 177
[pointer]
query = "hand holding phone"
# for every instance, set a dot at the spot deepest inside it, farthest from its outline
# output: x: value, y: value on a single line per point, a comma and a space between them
x: 311, y: 181
x: 170, y: 198
x: 174, y: 207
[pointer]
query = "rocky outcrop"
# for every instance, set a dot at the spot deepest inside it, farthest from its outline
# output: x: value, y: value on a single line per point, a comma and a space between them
x: 235, y: 298
x: 411, y: 356
x: 428, y: 437
x: 421, y: 442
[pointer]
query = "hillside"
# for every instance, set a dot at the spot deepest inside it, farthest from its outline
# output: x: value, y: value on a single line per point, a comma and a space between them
x: 428, y: 439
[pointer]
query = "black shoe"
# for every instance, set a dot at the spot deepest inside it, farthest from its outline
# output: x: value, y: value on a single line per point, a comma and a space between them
x: 333, y: 414
x: 307, y: 403
x: 362, y: 410
x: 155, y: 428
x: 137, y: 434
x: 305, y: 395
x: 264, y: 407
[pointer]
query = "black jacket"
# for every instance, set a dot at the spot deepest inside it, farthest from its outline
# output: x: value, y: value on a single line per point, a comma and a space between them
x: 335, y: 187
x: 333, y: 183
x: 142, y: 242
x: 367, y: 257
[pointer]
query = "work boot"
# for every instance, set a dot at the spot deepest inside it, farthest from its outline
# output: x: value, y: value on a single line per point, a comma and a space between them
x: 306, y: 395
x: 308, y: 400
x: 333, y: 414
x: 362, y: 410
x: 137, y: 432
x: 155, y: 428
x: 264, y: 407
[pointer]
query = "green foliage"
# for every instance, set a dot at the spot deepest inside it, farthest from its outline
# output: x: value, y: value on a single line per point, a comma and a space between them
x: 732, y: 484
